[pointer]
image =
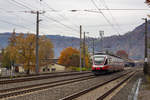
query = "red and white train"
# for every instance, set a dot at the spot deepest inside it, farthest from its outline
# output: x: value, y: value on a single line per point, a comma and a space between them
x: 103, y: 62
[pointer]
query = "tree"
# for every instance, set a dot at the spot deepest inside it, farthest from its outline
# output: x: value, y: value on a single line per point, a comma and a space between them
x: 6, y: 62
x: 21, y: 50
x: 9, y: 54
x: 45, y: 50
x: 122, y: 53
x: 25, y: 46
x: 71, y: 57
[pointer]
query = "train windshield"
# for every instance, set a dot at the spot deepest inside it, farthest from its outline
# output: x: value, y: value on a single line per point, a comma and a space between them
x: 98, y: 60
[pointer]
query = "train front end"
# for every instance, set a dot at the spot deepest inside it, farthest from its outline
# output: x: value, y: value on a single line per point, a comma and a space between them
x: 99, y: 64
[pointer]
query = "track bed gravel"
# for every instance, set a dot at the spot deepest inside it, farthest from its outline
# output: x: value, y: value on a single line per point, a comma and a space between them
x: 144, y: 92
x: 56, y: 93
x: 13, y: 85
x: 126, y: 92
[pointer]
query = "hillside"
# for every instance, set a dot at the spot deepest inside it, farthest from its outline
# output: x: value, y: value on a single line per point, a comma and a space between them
x: 132, y: 42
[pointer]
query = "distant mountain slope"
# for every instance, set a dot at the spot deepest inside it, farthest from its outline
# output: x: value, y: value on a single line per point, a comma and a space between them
x: 59, y: 42
x: 132, y: 42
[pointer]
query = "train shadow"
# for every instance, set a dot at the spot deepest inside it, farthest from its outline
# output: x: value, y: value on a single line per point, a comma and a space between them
x: 106, y: 73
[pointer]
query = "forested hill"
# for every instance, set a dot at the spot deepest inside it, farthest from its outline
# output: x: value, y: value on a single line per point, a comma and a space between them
x: 132, y: 42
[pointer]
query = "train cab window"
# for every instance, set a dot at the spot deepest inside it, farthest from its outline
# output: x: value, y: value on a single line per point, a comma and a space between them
x: 106, y: 62
x: 98, y: 60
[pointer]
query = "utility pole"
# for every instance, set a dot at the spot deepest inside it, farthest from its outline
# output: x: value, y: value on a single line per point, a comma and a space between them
x: 37, y: 37
x: 37, y: 43
x: 93, y: 46
x: 80, y: 48
x: 145, y: 69
x: 84, y: 50
x: 101, y: 33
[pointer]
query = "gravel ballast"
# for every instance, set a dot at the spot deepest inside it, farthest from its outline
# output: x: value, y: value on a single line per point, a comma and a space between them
x: 65, y: 90
x: 14, y: 85
x: 126, y: 92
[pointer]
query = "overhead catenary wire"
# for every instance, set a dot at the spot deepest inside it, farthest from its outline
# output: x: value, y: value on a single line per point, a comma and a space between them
x: 22, y: 26
x: 100, y: 12
x: 94, y: 10
x: 113, y: 18
x: 19, y: 3
x: 66, y: 30
x: 57, y: 21
x: 86, y: 10
x: 61, y: 15
x: 60, y: 23
x: 68, y: 26
x: 14, y: 14
x: 11, y: 2
x: 53, y: 19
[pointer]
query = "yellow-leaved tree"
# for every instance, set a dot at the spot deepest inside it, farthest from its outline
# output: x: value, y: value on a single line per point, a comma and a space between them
x: 21, y: 50
x: 71, y: 57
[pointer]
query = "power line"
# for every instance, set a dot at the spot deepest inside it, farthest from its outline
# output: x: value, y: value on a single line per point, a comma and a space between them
x: 15, y: 4
x: 13, y: 24
x: 93, y: 10
x: 73, y: 10
x: 60, y: 23
x: 52, y: 9
x: 66, y: 31
x: 21, y: 4
x: 104, y: 15
x: 106, y: 6
x: 127, y: 9
x: 64, y: 17
x: 17, y: 15
x: 46, y: 16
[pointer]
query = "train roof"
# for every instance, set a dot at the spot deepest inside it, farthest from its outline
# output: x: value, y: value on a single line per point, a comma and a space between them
x: 104, y: 53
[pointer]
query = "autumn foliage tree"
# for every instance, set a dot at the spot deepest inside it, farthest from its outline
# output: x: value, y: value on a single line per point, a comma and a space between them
x: 122, y: 54
x: 71, y: 57
x: 21, y: 50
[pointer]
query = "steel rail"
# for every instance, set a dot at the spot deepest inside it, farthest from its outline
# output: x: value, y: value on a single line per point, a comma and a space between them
x: 40, y: 77
x: 114, y: 88
x: 49, y: 85
x: 41, y: 74
x: 75, y: 95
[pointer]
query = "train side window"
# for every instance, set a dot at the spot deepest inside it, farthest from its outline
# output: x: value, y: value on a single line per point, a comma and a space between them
x: 110, y: 60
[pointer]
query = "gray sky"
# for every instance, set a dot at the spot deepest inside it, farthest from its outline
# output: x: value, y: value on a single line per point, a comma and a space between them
x: 13, y: 16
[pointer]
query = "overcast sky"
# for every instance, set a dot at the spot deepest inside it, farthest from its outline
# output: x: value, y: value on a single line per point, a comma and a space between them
x: 64, y: 22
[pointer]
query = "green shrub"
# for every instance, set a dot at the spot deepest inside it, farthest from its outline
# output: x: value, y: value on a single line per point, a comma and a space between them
x: 83, y: 69
x: 73, y: 68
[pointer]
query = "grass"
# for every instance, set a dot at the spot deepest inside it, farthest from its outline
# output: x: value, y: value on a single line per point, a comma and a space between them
x: 146, y: 83
x: 148, y: 78
x: 73, y: 68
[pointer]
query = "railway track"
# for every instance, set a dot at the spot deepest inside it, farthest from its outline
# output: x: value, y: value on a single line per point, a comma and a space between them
x: 83, y: 95
x: 24, y: 79
x: 32, y: 75
x: 27, y: 89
